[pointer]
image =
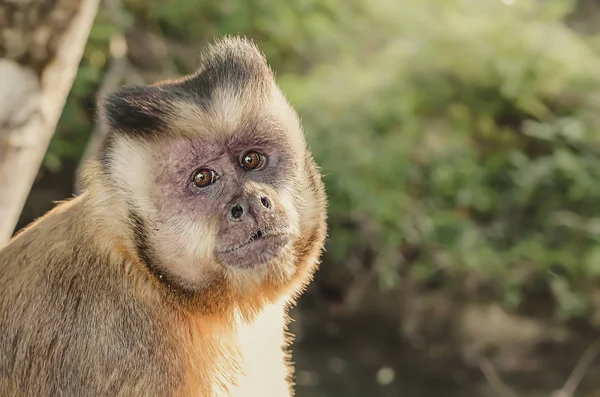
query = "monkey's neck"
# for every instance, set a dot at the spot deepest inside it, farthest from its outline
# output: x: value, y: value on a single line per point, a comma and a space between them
x: 264, y: 362
x: 240, y: 360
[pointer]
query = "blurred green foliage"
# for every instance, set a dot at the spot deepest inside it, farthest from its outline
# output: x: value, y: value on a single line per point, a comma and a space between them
x: 467, y: 130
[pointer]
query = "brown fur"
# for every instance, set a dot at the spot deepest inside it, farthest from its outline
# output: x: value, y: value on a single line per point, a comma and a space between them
x: 81, y: 313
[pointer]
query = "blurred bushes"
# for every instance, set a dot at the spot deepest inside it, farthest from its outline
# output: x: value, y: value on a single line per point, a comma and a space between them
x: 458, y: 137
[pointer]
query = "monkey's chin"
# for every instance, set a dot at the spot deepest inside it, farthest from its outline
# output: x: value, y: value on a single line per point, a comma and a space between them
x: 254, y: 253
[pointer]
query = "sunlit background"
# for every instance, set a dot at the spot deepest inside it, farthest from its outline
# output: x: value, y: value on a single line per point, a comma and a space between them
x: 460, y: 142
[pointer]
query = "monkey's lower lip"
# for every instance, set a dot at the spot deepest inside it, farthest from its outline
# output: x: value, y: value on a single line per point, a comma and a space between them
x: 254, y: 252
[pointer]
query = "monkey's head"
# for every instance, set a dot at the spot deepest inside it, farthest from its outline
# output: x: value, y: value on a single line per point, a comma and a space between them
x: 221, y: 194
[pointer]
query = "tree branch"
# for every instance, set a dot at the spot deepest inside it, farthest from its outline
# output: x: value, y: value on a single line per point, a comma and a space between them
x: 494, y: 380
x: 587, y: 359
x: 24, y: 138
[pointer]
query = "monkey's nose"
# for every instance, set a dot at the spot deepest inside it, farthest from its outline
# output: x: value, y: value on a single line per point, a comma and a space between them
x: 254, y: 207
x: 236, y: 212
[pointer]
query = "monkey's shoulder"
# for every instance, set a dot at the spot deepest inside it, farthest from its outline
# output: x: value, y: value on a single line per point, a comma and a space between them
x: 67, y: 323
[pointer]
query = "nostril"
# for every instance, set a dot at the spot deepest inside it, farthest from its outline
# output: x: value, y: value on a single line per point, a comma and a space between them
x: 259, y: 234
x: 265, y: 202
x: 237, y: 211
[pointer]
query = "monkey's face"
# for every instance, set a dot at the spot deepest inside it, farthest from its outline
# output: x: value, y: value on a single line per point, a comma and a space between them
x: 235, y: 198
x: 222, y: 191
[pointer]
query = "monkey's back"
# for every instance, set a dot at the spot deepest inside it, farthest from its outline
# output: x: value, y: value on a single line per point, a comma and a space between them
x: 68, y: 324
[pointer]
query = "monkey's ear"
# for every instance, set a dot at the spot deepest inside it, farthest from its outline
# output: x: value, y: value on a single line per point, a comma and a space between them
x: 137, y: 110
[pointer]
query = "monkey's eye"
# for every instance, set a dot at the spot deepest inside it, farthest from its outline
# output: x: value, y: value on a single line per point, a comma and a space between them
x: 204, y: 177
x: 252, y: 160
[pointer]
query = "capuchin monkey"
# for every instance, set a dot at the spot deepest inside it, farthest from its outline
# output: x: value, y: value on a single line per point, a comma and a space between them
x: 203, y: 220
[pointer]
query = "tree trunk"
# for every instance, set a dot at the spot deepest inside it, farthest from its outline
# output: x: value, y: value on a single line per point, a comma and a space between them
x: 41, y: 45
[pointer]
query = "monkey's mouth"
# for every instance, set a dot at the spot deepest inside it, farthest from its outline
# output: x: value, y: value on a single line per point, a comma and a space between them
x: 257, y: 249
